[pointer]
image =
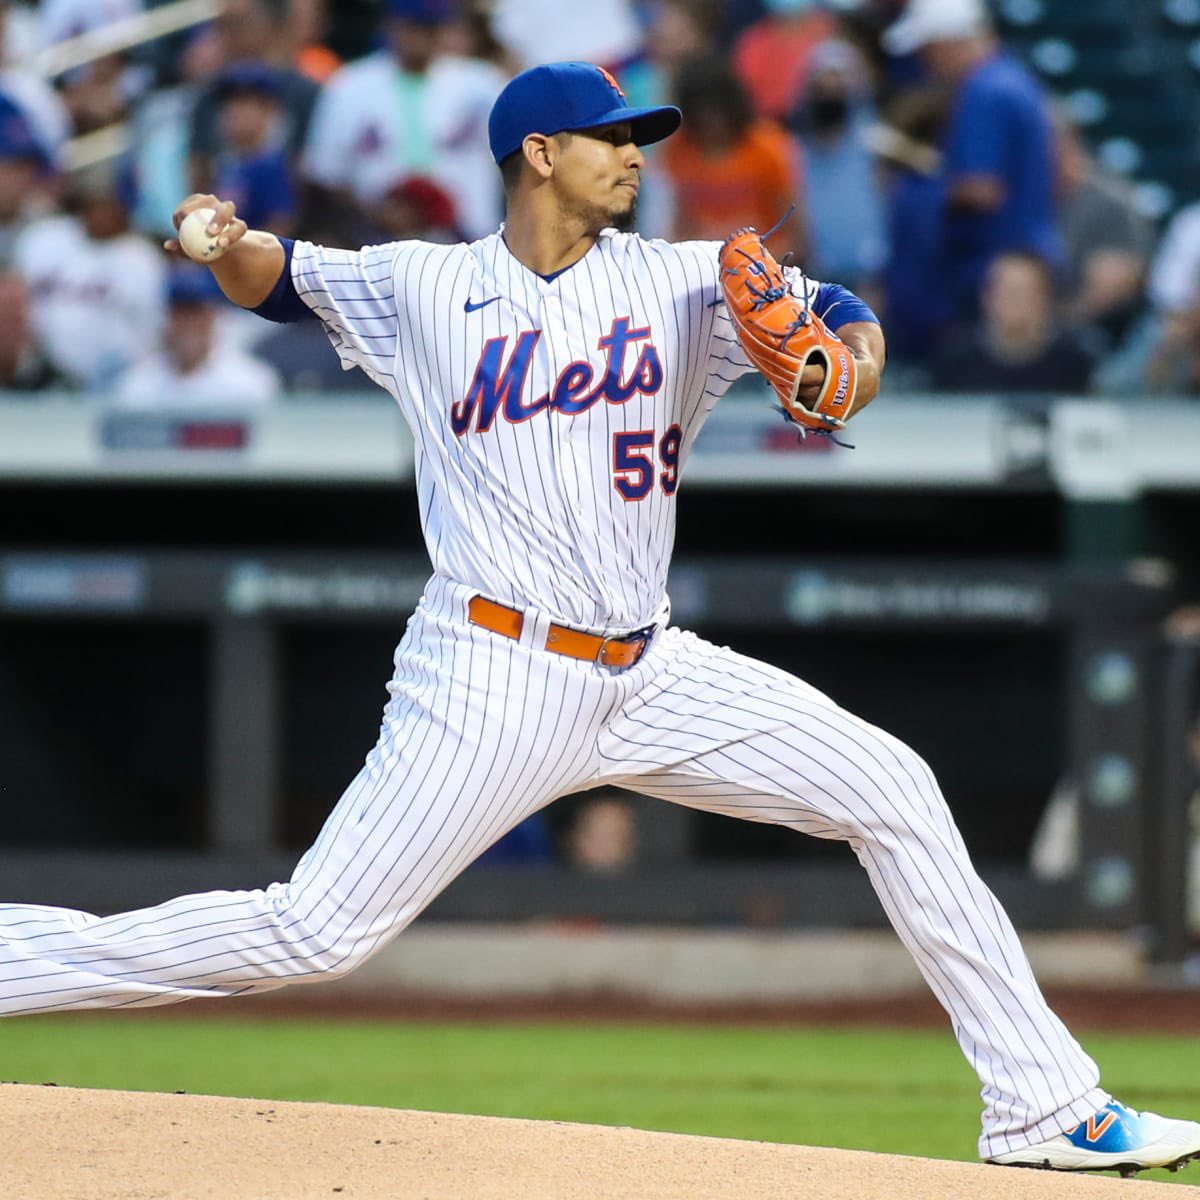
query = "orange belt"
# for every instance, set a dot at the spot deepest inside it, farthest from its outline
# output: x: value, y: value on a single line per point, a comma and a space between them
x: 607, y: 651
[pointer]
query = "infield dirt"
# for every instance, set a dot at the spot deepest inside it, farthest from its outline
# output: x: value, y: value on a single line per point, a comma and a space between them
x: 72, y: 1144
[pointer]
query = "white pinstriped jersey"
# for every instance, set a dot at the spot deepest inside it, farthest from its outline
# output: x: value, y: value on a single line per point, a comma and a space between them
x: 552, y: 418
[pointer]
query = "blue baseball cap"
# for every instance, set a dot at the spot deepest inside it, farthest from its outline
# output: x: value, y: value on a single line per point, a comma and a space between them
x: 188, y: 284
x: 249, y: 75
x: 564, y: 96
x: 17, y: 138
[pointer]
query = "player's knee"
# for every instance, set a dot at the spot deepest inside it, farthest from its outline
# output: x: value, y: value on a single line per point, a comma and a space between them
x: 325, y: 955
x: 319, y: 946
x: 904, y: 785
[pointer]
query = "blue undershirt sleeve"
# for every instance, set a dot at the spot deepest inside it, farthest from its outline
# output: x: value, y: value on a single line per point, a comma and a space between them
x: 838, y: 306
x: 284, y: 305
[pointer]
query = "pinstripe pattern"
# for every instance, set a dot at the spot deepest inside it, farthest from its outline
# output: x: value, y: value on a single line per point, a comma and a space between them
x: 722, y: 732
x: 527, y: 513
x: 524, y: 497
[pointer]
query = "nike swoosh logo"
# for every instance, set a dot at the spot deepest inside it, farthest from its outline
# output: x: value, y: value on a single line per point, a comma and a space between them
x: 471, y: 307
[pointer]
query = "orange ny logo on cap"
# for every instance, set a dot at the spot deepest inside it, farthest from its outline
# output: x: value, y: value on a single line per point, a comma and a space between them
x: 610, y: 79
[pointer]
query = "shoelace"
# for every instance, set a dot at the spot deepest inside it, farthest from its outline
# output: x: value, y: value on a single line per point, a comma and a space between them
x: 802, y: 431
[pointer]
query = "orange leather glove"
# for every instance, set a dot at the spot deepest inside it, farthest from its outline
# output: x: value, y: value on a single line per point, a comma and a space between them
x: 781, y: 335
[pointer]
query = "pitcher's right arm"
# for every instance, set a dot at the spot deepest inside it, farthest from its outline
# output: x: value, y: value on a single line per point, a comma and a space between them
x: 253, y: 261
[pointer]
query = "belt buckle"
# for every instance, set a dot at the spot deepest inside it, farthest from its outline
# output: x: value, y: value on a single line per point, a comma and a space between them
x: 643, y: 635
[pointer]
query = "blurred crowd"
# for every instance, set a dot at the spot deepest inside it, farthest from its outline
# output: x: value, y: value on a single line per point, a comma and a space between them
x: 897, y: 148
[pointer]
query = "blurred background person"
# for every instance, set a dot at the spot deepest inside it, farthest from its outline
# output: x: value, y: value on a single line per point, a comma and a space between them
x: 679, y: 32
x: 24, y: 368
x: 1164, y: 352
x: 915, y: 303
x: 602, y: 835
x: 841, y: 196
x: 471, y: 33
x: 772, y: 54
x: 308, y: 21
x: 252, y: 167
x: 606, y: 32
x: 193, y: 367
x: 25, y: 88
x: 304, y: 363
x: 1019, y: 346
x: 24, y: 178
x: 409, y: 109
x: 728, y: 168
x: 998, y: 145
x: 101, y: 92
x: 246, y: 31
x: 413, y: 207
x: 97, y: 291
x: 1107, y: 242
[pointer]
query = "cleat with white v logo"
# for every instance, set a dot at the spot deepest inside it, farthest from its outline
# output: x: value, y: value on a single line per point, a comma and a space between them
x: 1114, y: 1139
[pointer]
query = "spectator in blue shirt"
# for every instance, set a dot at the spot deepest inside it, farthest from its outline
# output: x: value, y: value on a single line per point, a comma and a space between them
x: 914, y: 302
x: 998, y: 145
x: 249, y: 31
x: 841, y: 186
x: 252, y: 165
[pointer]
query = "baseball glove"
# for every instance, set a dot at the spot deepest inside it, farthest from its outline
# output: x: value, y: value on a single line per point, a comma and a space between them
x: 781, y: 335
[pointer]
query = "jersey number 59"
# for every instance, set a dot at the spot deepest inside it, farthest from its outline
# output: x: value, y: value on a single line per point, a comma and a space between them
x: 634, y: 468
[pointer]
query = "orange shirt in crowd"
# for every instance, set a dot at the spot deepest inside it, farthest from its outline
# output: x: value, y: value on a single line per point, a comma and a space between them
x: 754, y: 182
x: 772, y: 56
x: 317, y: 62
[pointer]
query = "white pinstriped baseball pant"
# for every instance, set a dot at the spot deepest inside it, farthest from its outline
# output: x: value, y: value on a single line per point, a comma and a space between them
x: 479, y: 733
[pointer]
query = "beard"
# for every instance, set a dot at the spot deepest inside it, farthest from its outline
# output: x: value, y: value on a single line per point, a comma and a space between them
x: 625, y: 220
x: 595, y: 217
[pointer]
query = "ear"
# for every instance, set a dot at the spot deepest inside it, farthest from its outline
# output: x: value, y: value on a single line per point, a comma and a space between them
x: 540, y: 153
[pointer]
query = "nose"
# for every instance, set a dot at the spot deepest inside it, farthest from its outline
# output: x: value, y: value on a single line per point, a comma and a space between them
x: 634, y: 156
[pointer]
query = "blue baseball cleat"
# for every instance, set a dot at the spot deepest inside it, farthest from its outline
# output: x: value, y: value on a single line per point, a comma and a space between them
x: 1114, y: 1139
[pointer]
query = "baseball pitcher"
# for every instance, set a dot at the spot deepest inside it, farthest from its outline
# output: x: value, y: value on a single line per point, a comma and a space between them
x: 555, y: 376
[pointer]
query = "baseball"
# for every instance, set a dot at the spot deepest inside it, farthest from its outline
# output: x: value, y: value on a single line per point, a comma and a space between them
x: 198, y: 244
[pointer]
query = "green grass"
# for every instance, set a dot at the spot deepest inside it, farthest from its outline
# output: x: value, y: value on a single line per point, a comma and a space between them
x: 905, y: 1092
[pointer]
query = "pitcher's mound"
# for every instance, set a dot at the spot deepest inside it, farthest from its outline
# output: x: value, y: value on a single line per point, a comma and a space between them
x: 68, y: 1144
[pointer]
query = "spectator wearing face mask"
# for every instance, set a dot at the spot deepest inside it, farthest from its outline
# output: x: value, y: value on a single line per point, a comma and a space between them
x: 841, y: 185
x: 772, y: 55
